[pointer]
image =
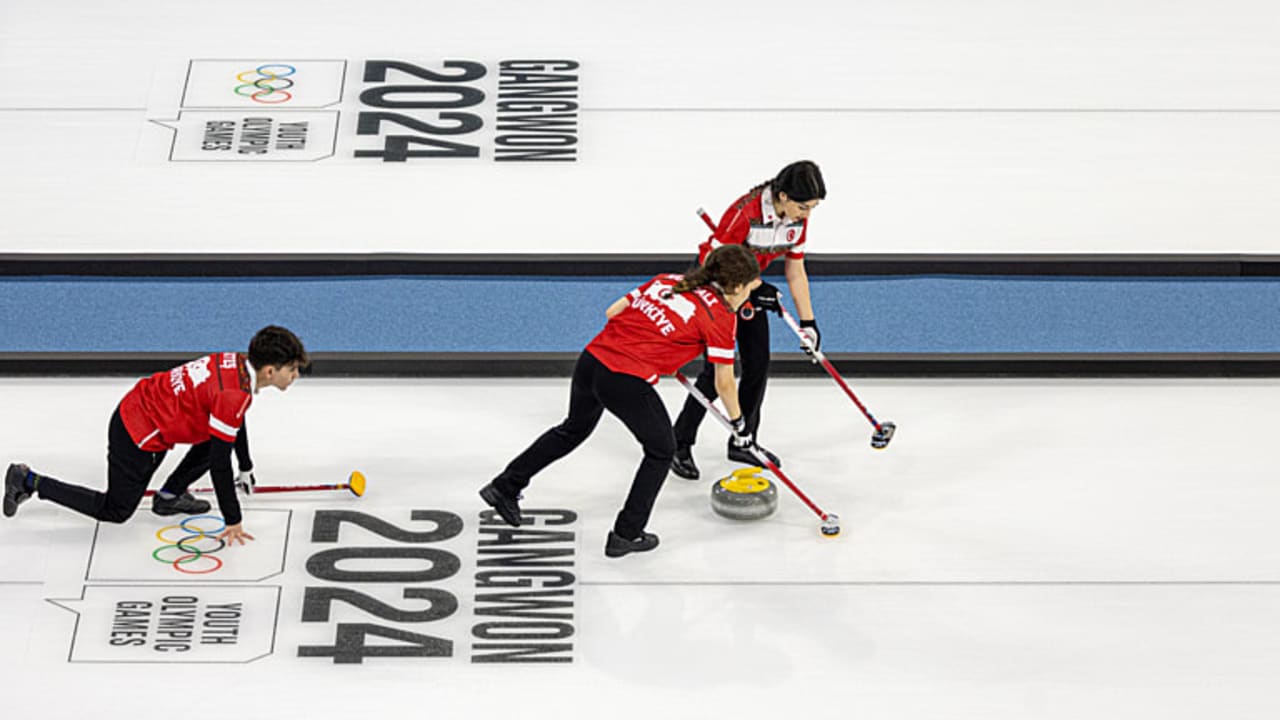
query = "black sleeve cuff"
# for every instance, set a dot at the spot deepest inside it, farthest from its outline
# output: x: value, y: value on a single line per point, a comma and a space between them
x: 242, y: 447
x: 224, y: 484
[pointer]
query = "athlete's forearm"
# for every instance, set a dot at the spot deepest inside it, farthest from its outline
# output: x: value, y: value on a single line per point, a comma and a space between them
x: 798, y: 283
x: 618, y: 306
x: 727, y: 389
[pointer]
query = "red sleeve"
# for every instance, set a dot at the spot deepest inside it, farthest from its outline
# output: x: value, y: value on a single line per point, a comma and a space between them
x: 732, y: 230
x: 721, y: 336
x: 227, y: 414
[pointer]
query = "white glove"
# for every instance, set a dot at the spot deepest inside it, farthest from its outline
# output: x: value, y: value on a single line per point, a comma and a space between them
x: 741, y: 436
x: 813, y: 338
x: 245, y: 482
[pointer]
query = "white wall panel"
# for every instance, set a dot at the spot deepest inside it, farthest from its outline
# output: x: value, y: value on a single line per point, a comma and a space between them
x: 998, y: 126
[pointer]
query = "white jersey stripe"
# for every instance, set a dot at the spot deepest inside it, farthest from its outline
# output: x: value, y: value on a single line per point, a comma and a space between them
x: 225, y: 429
x: 722, y: 353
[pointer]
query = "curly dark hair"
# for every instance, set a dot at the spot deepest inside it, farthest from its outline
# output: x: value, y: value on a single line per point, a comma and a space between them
x: 277, y: 346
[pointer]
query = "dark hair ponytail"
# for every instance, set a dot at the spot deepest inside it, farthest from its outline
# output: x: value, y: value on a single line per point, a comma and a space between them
x: 801, y: 181
x: 727, y: 267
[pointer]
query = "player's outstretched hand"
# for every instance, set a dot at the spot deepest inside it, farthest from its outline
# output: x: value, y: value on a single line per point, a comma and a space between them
x: 235, y: 534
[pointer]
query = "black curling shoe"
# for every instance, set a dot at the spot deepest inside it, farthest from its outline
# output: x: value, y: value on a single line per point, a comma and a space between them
x: 682, y: 464
x: 616, y: 546
x: 744, y: 456
x: 185, y: 504
x: 15, y: 488
x: 506, y: 506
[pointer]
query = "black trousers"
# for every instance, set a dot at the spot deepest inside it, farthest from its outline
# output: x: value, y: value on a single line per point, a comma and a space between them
x: 129, y: 472
x: 596, y: 388
x: 196, y: 463
x: 753, y: 354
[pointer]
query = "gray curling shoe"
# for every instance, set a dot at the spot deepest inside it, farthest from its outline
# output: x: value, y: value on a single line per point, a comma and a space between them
x: 186, y: 504
x: 15, y: 488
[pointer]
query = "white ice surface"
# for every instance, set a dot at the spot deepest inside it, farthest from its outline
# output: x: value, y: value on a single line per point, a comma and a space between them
x: 1048, y: 549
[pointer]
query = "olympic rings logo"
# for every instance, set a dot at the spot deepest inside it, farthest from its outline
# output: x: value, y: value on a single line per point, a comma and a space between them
x: 188, y: 553
x: 270, y: 87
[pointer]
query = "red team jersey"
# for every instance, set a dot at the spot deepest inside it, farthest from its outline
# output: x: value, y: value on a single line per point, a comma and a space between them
x: 753, y: 222
x: 189, y: 404
x: 660, y: 331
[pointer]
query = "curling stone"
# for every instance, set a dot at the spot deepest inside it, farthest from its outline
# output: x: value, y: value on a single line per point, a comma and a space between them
x: 744, y: 495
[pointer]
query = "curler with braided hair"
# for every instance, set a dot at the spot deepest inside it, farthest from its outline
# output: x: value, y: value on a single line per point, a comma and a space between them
x: 801, y: 180
x: 727, y: 267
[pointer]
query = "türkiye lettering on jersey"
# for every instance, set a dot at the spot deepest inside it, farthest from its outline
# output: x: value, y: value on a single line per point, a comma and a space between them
x: 657, y: 297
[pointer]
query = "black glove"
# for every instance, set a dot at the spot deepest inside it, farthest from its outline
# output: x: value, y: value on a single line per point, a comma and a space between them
x: 809, y: 328
x: 766, y: 298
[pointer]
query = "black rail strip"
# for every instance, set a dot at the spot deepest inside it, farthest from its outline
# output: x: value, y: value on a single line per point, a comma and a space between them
x: 365, y: 264
x: 482, y: 365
